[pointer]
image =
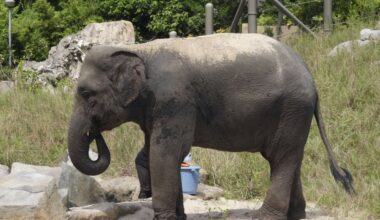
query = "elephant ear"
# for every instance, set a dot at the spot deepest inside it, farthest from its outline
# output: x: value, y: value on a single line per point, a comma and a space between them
x: 128, y: 76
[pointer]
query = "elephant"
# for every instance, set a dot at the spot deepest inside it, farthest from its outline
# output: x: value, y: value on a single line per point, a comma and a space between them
x: 229, y: 92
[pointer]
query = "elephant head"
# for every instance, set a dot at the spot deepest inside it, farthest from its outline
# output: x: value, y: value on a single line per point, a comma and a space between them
x: 110, y: 79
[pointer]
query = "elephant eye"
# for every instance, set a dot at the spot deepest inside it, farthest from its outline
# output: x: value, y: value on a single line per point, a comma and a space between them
x: 85, y: 93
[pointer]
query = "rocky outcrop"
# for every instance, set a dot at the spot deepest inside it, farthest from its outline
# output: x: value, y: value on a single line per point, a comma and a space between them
x: 65, y: 59
x: 367, y: 36
x: 85, y: 191
x: 30, y: 192
x: 348, y: 46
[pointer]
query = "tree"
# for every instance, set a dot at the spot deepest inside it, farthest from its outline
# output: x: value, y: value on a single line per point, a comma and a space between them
x: 34, y: 31
x: 76, y: 14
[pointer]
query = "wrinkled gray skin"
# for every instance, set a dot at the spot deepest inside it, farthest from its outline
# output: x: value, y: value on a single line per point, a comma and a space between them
x: 231, y: 92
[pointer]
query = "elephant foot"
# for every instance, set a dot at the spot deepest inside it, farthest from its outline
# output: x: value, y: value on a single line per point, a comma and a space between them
x: 164, y: 215
x: 297, y: 209
x: 182, y: 217
x: 145, y: 194
x: 296, y: 215
x: 268, y: 213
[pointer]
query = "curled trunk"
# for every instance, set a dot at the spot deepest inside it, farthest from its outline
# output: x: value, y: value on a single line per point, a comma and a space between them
x: 79, y: 140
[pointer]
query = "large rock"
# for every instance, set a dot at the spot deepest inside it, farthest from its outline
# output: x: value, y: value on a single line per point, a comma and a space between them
x: 81, y: 189
x: 21, y: 168
x: 207, y: 192
x: 348, y: 46
x: 368, y: 34
x: 30, y: 196
x: 66, y: 58
x: 121, y: 189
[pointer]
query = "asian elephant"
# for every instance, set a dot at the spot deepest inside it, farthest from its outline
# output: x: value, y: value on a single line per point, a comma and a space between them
x: 230, y: 92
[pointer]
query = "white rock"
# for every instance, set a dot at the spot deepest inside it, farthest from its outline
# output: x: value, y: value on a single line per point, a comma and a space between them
x: 348, y: 46
x: 30, y: 196
x: 21, y: 168
x: 66, y: 58
x: 6, y: 86
x: 368, y: 34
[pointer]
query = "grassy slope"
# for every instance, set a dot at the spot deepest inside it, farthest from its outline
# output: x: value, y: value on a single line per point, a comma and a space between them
x: 33, y: 130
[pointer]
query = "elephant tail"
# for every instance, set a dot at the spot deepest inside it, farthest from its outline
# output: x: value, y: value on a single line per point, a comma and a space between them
x: 340, y: 174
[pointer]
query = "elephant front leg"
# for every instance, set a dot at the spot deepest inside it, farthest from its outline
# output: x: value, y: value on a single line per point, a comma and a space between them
x: 143, y: 172
x: 170, y: 139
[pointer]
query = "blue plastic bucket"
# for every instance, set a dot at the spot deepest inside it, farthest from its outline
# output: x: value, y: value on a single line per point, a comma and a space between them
x: 190, y: 179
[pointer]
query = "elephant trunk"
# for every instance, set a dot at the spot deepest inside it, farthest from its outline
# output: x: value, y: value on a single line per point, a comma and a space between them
x: 79, y: 140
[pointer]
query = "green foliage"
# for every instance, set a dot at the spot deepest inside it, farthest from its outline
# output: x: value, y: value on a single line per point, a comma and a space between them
x: 76, y: 14
x: 156, y: 18
x: 3, y: 34
x: 6, y: 73
x: 34, y: 30
x: 40, y: 24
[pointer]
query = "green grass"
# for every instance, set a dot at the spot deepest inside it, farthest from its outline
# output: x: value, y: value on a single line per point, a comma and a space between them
x: 33, y: 127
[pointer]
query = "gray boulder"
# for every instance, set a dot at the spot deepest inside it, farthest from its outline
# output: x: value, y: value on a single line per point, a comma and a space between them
x: 348, y: 46
x: 6, y: 86
x: 65, y: 59
x: 207, y: 192
x: 368, y: 34
x: 81, y: 189
x: 30, y: 196
x: 21, y: 168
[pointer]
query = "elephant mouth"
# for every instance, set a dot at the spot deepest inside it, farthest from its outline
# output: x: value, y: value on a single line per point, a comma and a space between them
x: 98, y: 124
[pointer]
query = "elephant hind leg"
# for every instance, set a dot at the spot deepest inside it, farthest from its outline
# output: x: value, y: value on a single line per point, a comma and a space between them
x: 143, y: 173
x: 297, y: 203
x: 277, y: 201
x: 285, y: 157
